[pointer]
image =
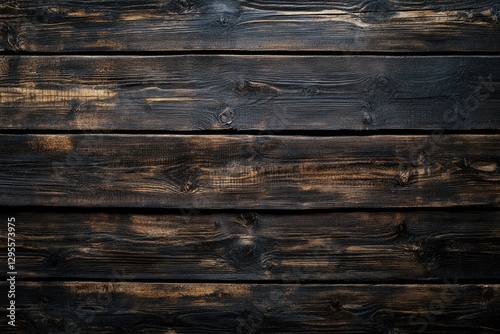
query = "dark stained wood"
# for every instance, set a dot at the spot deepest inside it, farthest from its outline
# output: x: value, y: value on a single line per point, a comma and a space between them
x: 124, y: 307
x: 158, y: 25
x: 249, y: 172
x: 108, y: 106
x: 259, y: 246
x: 266, y: 93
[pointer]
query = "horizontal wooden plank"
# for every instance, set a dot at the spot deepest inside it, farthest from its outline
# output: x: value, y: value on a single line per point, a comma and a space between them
x: 396, y: 25
x: 249, y: 172
x: 124, y: 307
x: 259, y: 246
x: 266, y: 93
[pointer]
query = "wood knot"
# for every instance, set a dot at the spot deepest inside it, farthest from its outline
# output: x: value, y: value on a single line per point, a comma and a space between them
x: 269, y: 265
x: 223, y: 20
x: 241, y: 86
x: 75, y: 107
x: 270, y: 309
x: 226, y: 116
x: 216, y: 295
x: 188, y: 187
x: 108, y: 296
x: 55, y: 259
x: 227, y: 15
x: 401, y: 229
x: 377, y: 11
x: 244, y: 253
x: 179, y: 6
x: 10, y: 40
x: 187, y: 180
x: 310, y: 91
x: 47, y: 15
x: 250, y: 322
x: 465, y: 15
x: 404, y: 177
x: 473, y: 15
x: 380, y: 93
x: 335, y: 305
x: 245, y: 250
x: 252, y: 89
x: 382, y: 81
x: 421, y: 157
x: 367, y: 119
x: 78, y: 109
x: 249, y: 219
x: 185, y: 4
x: 431, y: 252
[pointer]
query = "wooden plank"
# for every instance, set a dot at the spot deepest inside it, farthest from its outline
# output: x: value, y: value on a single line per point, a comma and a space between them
x: 249, y: 172
x: 266, y: 93
x: 259, y: 246
x: 124, y: 307
x: 385, y: 26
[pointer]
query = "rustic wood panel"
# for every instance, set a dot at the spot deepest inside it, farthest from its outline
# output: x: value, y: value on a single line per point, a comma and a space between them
x: 259, y: 246
x: 245, y: 172
x: 129, y: 25
x: 267, y: 93
x: 112, y: 106
x: 121, y: 307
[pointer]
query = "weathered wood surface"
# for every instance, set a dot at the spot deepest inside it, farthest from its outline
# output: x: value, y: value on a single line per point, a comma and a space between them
x: 129, y: 25
x: 112, y: 131
x: 260, y: 246
x: 124, y: 307
x: 249, y: 172
x: 267, y: 93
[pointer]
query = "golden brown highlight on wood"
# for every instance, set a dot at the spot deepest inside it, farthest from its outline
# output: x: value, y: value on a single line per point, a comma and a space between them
x: 368, y: 26
x: 293, y: 247
x: 250, y: 172
x: 250, y: 166
x: 51, y: 144
x: 118, y: 307
x: 270, y: 94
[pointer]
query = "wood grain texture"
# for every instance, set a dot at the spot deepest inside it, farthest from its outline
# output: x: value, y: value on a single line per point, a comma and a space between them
x: 113, y: 105
x: 259, y: 246
x: 129, y: 25
x: 266, y: 93
x: 121, y: 307
x: 249, y: 172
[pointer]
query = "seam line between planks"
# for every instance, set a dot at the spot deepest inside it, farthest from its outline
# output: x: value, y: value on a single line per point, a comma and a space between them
x: 252, y: 53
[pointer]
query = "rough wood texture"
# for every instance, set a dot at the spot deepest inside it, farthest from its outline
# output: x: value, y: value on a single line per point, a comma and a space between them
x: 242, y: 308
x: 267, y: 93
x: 260, y: 246
x: 193, y: 121
x: 245, y: 172
x: 130, y: 25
